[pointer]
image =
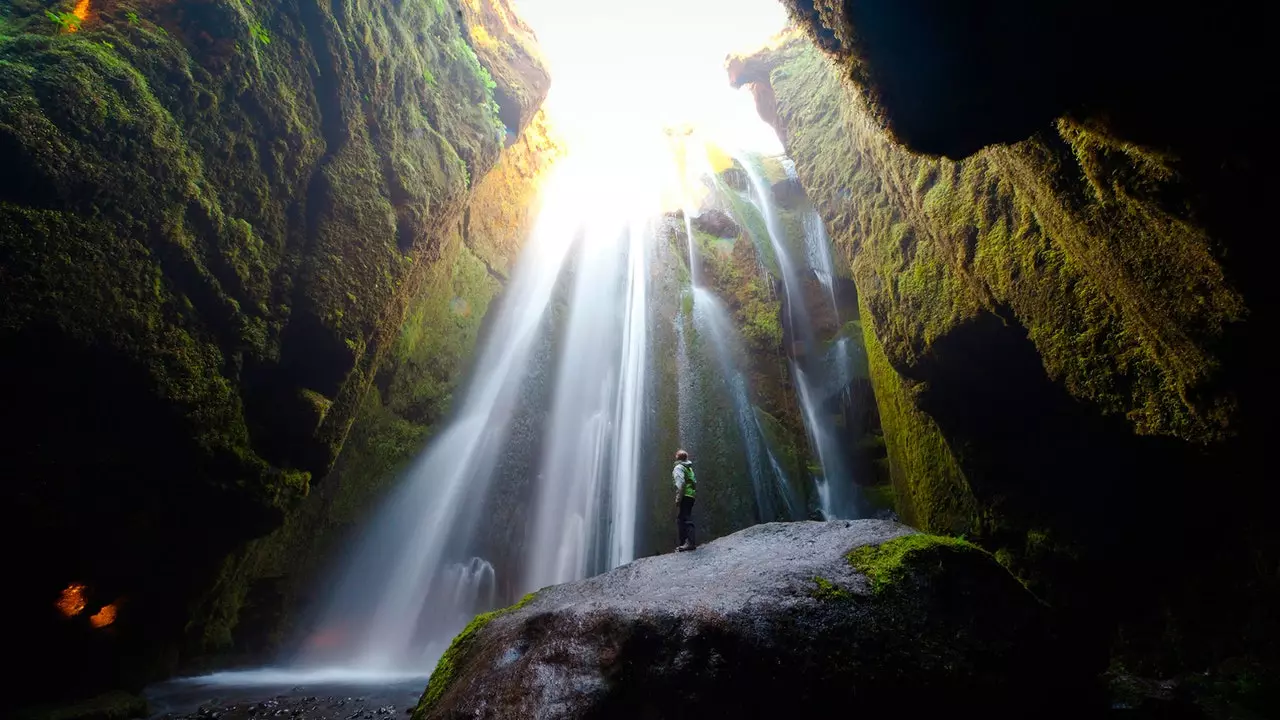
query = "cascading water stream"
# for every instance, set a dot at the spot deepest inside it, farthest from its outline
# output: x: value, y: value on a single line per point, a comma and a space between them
x: 818, y: 250
x: 418, y: 572
x: 377, y: 616
x: 586, y: 506
x: 581, y: 295
x: 768, y: 480
x: 835, y: 488
x: 817, y: 245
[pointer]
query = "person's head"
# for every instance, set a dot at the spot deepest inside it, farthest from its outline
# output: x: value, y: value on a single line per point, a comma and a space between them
x: 682, y: 455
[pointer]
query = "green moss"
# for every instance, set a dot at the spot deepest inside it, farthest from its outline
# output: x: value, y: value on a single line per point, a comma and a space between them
x: 930, y: 489
x: 879, y: 497
x: 733, y: 269
x: 890, y: 561
x: 1123, y: 298
x: 239, y: 208
x: 828, y: 591
x: 444, y: 674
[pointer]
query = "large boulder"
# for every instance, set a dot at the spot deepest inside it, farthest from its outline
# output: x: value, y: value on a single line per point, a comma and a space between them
x: 778, y: 618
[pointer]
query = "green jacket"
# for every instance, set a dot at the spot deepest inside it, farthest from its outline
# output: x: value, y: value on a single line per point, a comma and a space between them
x: 683, y: 476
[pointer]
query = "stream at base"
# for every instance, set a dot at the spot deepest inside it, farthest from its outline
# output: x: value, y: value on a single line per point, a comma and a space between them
x: 283, y: 693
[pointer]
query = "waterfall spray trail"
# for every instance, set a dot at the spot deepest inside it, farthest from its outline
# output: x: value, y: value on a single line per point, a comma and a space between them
x: 711, y: 320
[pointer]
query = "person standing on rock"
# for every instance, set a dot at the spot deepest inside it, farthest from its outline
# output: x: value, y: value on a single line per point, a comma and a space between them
x: 686, y: 487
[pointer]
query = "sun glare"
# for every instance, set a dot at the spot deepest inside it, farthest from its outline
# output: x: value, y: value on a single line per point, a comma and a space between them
x: 640, y: 94
x: 621, y: 70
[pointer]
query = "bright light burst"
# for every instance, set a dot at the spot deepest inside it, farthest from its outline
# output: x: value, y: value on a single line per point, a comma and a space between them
x: 638, y: 88
x: 617, y: 67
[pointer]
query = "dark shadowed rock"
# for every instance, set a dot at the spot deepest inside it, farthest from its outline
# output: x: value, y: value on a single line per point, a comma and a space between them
x: 716, y: 222
x: 945, y: 77
x: 779, y: 618
x: 788, y: 193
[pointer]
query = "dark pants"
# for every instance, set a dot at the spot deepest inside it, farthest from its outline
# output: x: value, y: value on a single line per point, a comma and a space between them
x: 684, y: 523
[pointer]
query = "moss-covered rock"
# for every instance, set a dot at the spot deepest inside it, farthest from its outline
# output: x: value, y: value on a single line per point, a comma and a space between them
x: 1056, y: 332
x: 891, y: 561
x: 264, y: 590
x: 773, y: 606
x: 214, y: 218
x: 508, y: 50
x: 445, y: 672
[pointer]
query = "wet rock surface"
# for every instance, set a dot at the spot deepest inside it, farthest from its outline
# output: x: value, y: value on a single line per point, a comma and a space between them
x: 716, y: 222
x: 775, y: 618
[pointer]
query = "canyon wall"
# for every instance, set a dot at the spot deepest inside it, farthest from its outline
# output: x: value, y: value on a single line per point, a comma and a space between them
x: 234, y: 239
x: 1064, y: 328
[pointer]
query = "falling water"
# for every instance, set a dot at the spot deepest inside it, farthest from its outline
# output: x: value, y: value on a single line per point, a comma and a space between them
x: 818, y: 251
x: 418, y: 572
x: 400, y: 593
x: 817, y: 245
x: 768, y: 480
x: 586, y: 508
x: 835, y: 487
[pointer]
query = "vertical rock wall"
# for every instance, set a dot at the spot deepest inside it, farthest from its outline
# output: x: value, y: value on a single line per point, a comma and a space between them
x: 1060, y: 334
x: 215, y: 218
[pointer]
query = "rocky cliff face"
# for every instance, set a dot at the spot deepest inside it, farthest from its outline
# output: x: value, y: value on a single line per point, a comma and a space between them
x: 217, y: 222
x: 1062, y: 331
x: 265, y: 589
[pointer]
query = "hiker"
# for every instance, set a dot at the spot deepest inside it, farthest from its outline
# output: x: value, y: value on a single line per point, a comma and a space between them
x: 686, y: 486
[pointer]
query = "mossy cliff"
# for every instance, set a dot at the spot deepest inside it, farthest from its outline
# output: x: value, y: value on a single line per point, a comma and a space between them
x: 1061, y: 332
x: 264, y: 590
x: 214, y: 220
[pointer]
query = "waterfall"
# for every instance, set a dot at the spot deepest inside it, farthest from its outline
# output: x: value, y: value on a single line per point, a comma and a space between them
x: 817, y: 245
x: 768, y: 481
x: 835, y: 488
x: 385, y: 608
x: 582, y: 296
x: 586, y: 506
x: 818, y: 251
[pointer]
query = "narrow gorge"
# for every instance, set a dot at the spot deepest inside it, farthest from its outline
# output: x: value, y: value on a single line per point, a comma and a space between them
x: 349, y: 346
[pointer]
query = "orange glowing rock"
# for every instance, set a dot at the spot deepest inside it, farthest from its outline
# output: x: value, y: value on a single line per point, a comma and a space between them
x: 82, y: 12
x: 104, y: 617
x: 71, y: 601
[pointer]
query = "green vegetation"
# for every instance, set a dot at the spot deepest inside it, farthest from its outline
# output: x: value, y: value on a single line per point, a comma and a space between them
x: 929, y: 487
x: 1086, y: 262
x: 259, y: 33
x: 1084, y: 259
x: 733, y: 269
x: 1080, y: 268
x: 65, y: 20
x: 828, y: 591
x: 443, y: 676
x: 889, y: 562
x: 231, y: 237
